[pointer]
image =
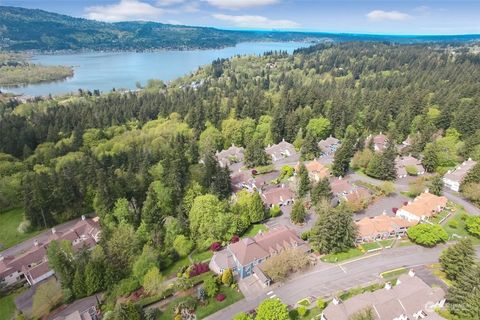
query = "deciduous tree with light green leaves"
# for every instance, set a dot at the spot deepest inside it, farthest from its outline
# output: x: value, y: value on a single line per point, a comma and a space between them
x: 182, y: 245
x: 272, y: 309
x: 319, y: 128
x: 427, y: 235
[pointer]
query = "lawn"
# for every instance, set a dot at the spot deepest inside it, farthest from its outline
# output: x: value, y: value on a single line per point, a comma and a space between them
x: 438, y: 217
x: 437, y: 271
x: 172, y: 269
x: 254, y: 229
x: 202, y: 256
x: 371, y: 246
x: 7, y: 307
x: 392, y: 274
x: 356, y: 291
x: 387, y: 243
x: 213, y: 305
x: 311, y: 314
x: 337, y: 257
x: 232, y: 296
x: 10, y: 220
x: 455, y: 227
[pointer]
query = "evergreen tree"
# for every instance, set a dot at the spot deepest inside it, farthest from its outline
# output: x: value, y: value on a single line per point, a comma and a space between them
x: 303, y: 181
x: 221, y: 183
x: 341, y: 160
x: 456, y: 259
x: 335, y: 231
x: 255, y: 154
x: 298, y: 212
x: 78, y: 285
x: 310, y: 150
x: 436, y: 185
x: 321, y: 190
x: 382, y: 165
x: 430, y: 157
x: 463, y: 295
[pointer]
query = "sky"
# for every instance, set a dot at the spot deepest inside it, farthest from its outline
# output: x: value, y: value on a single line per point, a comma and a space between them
x: 349, y: 16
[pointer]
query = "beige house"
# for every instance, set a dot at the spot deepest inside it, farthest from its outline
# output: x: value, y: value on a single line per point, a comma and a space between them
x: 422, y: 207
x: 453, y: 179
x: 329, y: 146
x: 316, y: 170
x: 230, y: 156
x: 282, y: 150
x: 278, y: 196
x: 409, y: 299
x: 380, y: 228
x: 402, y: 164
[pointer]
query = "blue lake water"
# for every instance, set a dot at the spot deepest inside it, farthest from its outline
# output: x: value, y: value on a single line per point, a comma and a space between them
x: 122, y: 70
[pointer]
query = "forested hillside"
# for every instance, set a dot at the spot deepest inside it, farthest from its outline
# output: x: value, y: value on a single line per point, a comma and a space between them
x: 32, y: 29
x: 133, y: 158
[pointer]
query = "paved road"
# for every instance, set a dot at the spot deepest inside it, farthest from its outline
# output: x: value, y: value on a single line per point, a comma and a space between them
x: 329, y: 279
x: 27, y: 244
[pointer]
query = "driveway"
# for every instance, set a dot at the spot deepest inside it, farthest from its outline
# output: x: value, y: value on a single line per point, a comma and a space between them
x: 329, y: 279
x: 284, y: 220
x: 251, y: 287
x: 383, y: 204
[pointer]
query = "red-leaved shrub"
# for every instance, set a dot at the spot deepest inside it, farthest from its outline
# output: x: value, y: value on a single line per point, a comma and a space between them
x: 234, y: 239
x: 220, y: 297
x: 215, y: 246
x: 394, y: 210
x: 199, y: 268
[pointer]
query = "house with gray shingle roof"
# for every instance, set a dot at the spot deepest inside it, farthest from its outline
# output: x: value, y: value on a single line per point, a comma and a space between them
x: 453, y: 179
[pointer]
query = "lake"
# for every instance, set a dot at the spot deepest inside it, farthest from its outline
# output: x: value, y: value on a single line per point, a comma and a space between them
x: 122, y: 70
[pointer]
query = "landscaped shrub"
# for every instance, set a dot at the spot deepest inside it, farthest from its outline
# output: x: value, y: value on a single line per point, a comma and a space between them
x: 321, y: 304
x: 215, y: 246
x: 275, y: 212
x: 394, y: 210
x: 199, y: 268
x: 220, y: 297
x: 427, y: 234
x: 234, y: 239
x: 453, y: 224
x: 302, y: 311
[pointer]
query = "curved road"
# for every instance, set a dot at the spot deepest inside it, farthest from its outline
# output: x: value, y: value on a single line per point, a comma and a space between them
x: 327, y: 279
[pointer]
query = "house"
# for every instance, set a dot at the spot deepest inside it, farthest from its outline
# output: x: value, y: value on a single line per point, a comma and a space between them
x: 329, y: 146
x: 241, y: 179
x: 32, y: 265
x: 453, y: 179
x: 230, y: 156
x: 316, y: 170
x: 410, y: 298
x: 380, y: 142
x: 381, y: 227
x: 422, y: 207
x: 278, y: 196
x: 358, y: 195
x: 403, y: 163
x: 341, y: 186
x: 245, y: 256
x: 282, y: 150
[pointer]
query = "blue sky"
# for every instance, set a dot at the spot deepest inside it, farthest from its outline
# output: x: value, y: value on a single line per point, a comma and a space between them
x: 356, y: 16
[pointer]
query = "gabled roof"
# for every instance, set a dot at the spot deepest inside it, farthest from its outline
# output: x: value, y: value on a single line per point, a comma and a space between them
x: 224, y: 156
x: 461, y: 171
x: 425, y: 205
x: 264, y: 244
x: 326, y: 144
x: 380, y: 224
x: 340, y: 185
x: 277, y: 195
x: 315, y: 167
x: 282, y: 149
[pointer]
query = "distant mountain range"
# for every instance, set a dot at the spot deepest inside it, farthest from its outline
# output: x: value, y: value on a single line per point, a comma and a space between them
x: 33, y: 29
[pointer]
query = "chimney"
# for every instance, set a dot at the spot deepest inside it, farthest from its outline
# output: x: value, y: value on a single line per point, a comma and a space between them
x: 411, y: 273
x: 54, y: 231
x: 469, y: 159
x: 340, y: 178
x: 388, y: 286
x: 283, y: 185
x: 35, y: 243
x: 384, y: 212
x: 83, y: 217
x: 336, y: 301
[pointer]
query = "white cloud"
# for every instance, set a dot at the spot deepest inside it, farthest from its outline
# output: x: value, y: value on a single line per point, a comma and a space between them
x: 238, y: 4
x: 169, y: 2
x: 379, y: 15
x: 246, y: 21
x: 125, y: 10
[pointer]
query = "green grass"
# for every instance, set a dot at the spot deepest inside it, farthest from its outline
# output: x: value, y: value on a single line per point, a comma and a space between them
x: 254, y: 229
x: 311, y: 314
x: 371, y: 246
x: 439, y: 216
x: 7, y: 307
x: 202, y: 256
x: 437, y: 271
x: 392, y: 274
x: 460, y: 230
x: 387, y: 243
x: 172, y: 269
x: 304, y: 302
x: 356, y: 291
x: 232, y: 296
x: 337, y: 257
x: 10, y: 220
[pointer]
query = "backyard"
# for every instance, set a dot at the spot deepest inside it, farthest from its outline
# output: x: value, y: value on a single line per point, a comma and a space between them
x: 7, y: 307
x: 254, y: 229
x: 10, y: 220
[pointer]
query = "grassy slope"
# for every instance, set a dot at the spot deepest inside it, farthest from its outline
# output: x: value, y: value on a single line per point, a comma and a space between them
x: 9, y: 221
x: 7, y: 307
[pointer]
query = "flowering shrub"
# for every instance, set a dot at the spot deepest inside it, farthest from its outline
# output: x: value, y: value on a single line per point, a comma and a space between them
x: 234, y: 239
x: 215, y: 246
x: 198, y: 268
x: 220, y: 297
x: 394, y: 210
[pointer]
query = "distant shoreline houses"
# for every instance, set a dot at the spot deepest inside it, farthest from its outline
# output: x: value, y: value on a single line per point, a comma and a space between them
x: 32, y: 265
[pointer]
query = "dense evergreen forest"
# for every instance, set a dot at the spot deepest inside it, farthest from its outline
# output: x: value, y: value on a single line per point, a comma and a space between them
x: 133, y: 158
